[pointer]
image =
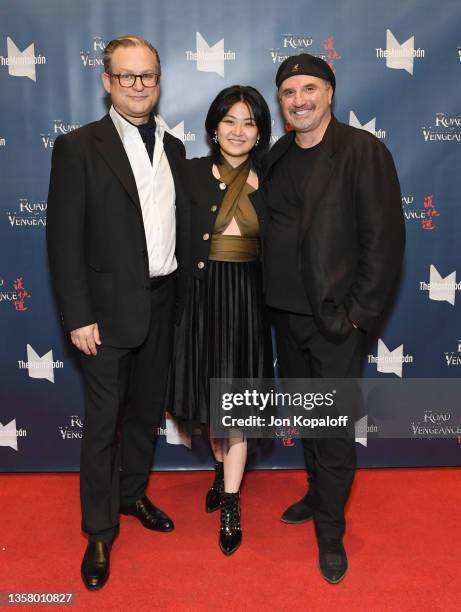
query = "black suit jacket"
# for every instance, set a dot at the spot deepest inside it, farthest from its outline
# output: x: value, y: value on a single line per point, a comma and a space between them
x: 95, y: 233
x: 352, y: 235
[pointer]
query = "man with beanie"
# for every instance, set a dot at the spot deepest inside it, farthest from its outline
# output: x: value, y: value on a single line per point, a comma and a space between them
x: 333, y: 250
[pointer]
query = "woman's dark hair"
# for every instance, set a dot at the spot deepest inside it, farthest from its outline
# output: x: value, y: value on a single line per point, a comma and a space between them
x: 221, y: 106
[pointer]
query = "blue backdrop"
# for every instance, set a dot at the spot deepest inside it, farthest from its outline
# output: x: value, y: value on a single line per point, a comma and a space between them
x: 398, y: 68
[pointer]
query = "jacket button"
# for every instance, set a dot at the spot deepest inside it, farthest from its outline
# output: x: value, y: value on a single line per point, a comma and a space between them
x: 214, y: 208
x: 200, y: 265
x: 206, y: 236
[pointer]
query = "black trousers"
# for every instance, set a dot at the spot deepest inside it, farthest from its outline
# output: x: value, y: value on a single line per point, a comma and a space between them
x: 124, y: 402
x: 330, y: 462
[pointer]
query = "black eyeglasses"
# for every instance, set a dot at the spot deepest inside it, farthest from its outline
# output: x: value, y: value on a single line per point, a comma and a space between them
x: 148, y: 79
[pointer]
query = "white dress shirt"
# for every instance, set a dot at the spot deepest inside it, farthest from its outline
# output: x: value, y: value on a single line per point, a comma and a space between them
x: 156, y: 193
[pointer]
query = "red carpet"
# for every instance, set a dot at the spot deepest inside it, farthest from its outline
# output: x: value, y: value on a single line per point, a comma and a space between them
x: 403, y: 543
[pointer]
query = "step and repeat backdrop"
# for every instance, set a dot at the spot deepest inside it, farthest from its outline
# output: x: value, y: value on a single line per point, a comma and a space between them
x: 398, y: 70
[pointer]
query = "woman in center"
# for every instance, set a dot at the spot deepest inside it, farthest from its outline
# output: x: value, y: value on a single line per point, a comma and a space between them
x: 223, y: 331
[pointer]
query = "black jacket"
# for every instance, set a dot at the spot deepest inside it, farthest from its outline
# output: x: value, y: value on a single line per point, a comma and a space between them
x: 352, y: 235
x: 205, y: 197
x: 95, y: 233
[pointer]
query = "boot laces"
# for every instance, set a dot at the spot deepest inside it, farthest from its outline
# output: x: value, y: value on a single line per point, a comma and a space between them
x: 230, y: 514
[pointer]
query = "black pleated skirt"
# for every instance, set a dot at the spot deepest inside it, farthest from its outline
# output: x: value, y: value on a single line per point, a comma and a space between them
x: 224, y: 333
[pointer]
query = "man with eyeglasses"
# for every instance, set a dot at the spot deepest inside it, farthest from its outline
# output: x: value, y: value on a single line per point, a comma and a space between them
x: 117, y: 233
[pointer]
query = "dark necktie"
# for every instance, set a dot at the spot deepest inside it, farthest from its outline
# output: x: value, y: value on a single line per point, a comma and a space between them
x: 147, y: 131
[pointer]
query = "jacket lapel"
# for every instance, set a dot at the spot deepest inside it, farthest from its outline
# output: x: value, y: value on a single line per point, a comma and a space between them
x: 111, y: 149
x: 280, y: 148
x: 171, y: 151
x: 321, y: 175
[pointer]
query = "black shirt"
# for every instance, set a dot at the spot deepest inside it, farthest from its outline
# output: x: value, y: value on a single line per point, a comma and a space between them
x: 285, y: 192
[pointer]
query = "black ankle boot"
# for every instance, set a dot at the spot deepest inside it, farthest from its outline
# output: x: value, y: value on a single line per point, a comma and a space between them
x: 230, y: 534
x: 213, y: 497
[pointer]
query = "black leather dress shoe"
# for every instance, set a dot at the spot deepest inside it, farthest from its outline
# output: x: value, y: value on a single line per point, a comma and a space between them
x: 149, y: 515
x: 95, y: 565
x: 332, y: 560
x: 298, y: 513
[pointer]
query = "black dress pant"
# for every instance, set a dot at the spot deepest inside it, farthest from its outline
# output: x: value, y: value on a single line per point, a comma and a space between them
x: 124, y: 403
x: 303, y: 352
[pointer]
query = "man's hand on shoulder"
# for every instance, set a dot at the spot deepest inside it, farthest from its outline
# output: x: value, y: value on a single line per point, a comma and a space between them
x: 86, y: 338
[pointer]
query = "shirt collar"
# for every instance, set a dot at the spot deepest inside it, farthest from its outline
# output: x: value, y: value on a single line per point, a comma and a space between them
x: 125, y: 128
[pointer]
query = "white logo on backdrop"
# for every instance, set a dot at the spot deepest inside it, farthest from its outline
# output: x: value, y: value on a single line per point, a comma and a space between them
x: 447, y: 128
x: 289, y: 43
x: 442, y: 289
x: 390, y: 362
x: 454, y: 358
x: 21, y: 63
x: 8, y: 435
x: 400, y: 56
x: 368, y: 127
x: 92, y: 58
x: 209, y: 58
x: 59, y: 127
x: 361, y: 431
x: 28, y: 213
x: 179, y: 132
x: 74, y: 430
x: 174, y: 435
x: 40, y: 367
